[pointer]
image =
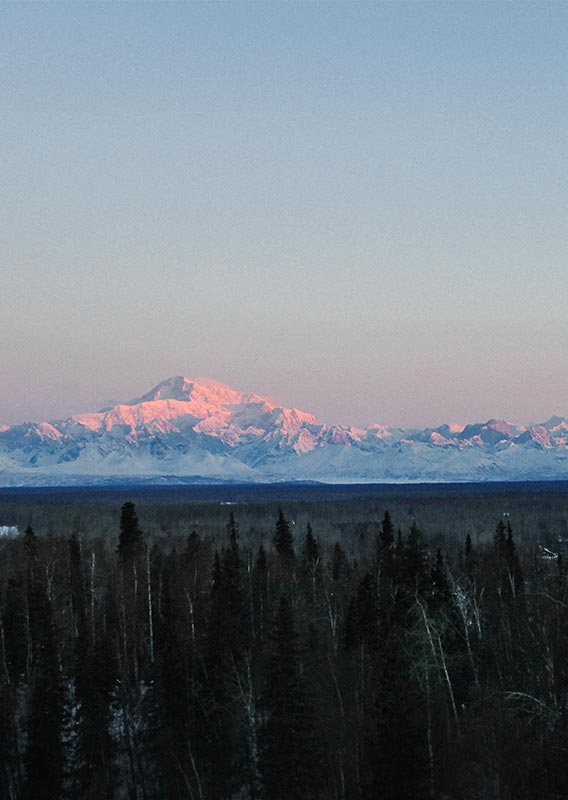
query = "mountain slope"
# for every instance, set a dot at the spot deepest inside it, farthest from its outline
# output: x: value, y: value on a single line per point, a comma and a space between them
x: 203, y: 430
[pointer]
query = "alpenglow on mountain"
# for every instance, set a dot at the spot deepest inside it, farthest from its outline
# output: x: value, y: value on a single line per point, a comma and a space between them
x: 199, y: 430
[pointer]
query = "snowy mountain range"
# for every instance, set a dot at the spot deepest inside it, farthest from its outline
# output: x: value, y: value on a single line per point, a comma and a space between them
x: 199, y: 430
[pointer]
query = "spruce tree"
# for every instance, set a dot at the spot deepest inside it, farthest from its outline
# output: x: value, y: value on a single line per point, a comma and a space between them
x: 414, y: 563
x: 311, y: 565
x: 351, y: 631
x: 193, y: 545
x: 44, y: 754
x: 386, y: 567
x: 399, y: 541
x: 30, y: 544
x: 235, y: 615
x: 228, y: 640
x: 130, y: 538
x: 232, y: 531
x: 395, y: 723
x: 261, y: 605
x: 398, y: 756
x: 134, y: 654
x: 311, y: 547
x: 283, y: 539
x: 441, y: 593
x: 339, y: 564
x: 499, y: 538
x: 15, y: 629
x: 367, y: 610
x: 9, y: 755
x: 95, y: 679
x: 386, y: 535
x: 516, y: 580
x: 510, y: 544
x: 76, y: 576
x: 289, y: 758
x: 261, y: 559
x: 175, y: 679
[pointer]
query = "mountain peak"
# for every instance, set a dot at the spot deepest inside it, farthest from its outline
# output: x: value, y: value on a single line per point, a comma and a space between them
x: 555, y: 422
x: 185, y: 428
x: 199, y: 391
x: 177, y: 387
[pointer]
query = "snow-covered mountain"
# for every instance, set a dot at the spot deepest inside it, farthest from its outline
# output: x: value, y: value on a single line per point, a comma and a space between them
x: 202, y: 430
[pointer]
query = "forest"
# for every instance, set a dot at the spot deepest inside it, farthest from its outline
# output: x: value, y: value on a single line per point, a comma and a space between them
x: 278, y: 652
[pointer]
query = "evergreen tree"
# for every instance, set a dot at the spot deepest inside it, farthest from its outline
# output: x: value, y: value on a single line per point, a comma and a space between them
x: 10, y: 773
x: 44, y: 754
x: 30, y: 545
x: 398, y: 756
x: 261, y: 559
x: 339, y: 564
x: 95, y: 676
x: 395, y: 728
x: 415, y: 565
x: 283, y: 539
x: 261, y: 603
x: 441, y: 593
x: 386, y: 536
x: 31, y: 555
x: 351, y: 633
x: 174, y: 694
x: 130, y: 539
x: 409, y: 683
x: 311, y: 547
x: 289, y: 759
x: 508, y: 566
x: 15, y: 629
x: 193, y: 545
x: 367, y: 610
x: 311, y: 565
x: 399, y: 541
x: 228, y: 640
x: 515, y: 572
x: 76, y: 576
x: 232, y: 531
x: 235, y: 617
x: 499, y: 538
x: 132, y: 620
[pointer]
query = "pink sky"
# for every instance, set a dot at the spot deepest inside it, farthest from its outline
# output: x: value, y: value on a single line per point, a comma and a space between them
x: 290, y: 199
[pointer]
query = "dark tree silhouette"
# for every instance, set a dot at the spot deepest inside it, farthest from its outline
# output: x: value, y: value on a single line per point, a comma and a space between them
x: 289, y: 759
x: 283, y: 539
x: 311, y: 547
x: 130, y: 538
x: 44, y: 754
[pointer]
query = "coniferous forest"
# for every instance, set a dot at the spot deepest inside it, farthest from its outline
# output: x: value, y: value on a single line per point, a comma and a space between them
x: 282, y: 664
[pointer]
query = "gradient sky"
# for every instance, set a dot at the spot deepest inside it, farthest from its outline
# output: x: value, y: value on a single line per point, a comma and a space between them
x: 358, y: 208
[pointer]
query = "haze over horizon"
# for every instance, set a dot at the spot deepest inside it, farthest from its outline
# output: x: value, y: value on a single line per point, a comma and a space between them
x: 358, y: 209
x: 279, y: 401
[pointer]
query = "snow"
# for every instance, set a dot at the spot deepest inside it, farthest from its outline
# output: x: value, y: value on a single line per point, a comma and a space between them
x: 204, y: 429
x: 47, y: 431
x: 437, y: 438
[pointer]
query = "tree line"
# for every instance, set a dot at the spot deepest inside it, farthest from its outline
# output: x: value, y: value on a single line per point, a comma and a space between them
x: 141, y: 668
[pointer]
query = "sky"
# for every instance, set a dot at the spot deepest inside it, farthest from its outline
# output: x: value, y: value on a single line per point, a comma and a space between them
x: 357, y: 208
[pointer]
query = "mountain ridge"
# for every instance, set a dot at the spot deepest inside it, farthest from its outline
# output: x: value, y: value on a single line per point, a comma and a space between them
x: 204, y: 429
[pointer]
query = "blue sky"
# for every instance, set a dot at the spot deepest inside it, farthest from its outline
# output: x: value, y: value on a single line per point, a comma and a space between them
x: 358, y: 208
